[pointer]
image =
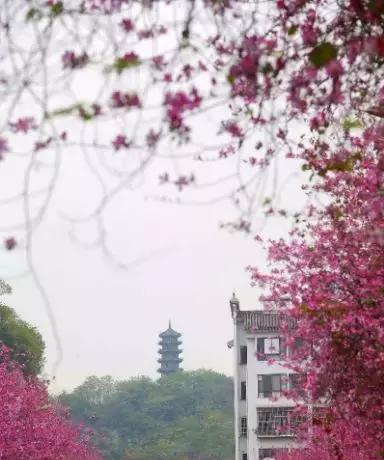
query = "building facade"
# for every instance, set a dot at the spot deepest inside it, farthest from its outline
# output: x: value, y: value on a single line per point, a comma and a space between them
x: 169, y: 351
x: 263, y: 415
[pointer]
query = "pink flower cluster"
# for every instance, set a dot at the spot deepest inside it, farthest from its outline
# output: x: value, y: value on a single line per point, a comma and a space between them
x: 32, y: 428
x: 177, y: 104
x: 125, y: 100
x: 23, y: 125
x: 72, y: 61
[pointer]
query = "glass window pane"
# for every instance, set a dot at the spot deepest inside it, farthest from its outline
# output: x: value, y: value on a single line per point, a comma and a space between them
x: 276, y: 383
x: 272, y: 346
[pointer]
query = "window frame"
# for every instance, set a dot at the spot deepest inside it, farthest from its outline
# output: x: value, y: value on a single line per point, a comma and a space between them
x: 243, y: 390
x: 243, y: 358
x: 267, y: 388
x: 243, y: 427
x: 272, y: 348
x: 263, y: 355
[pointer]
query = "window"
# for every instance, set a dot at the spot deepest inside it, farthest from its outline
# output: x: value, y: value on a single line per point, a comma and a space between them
x: 243, y: 354
x: 269, y: 346
x: 271, y: 385
x: 272, y: 421
x: 244, y: 456
x: 243, y: 390
x: 243, y: 426
x: 272, y: 346
x: 269, y: 453
x: 277, y: 421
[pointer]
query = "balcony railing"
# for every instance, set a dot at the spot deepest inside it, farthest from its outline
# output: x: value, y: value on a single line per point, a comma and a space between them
x: 277, y: 421
x: 270, y: 394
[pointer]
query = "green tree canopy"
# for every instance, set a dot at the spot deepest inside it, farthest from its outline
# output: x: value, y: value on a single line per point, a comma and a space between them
x: 24, y: 341
x: 182, y: 416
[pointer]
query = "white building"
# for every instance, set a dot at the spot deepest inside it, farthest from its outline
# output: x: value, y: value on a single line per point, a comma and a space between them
x: 263, y: 418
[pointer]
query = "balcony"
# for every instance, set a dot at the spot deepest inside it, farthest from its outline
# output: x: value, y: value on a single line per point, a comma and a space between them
x: 270, y: 394
x: 277, y: 422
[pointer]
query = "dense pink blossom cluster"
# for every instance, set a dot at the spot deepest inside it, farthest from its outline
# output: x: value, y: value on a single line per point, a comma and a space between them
x: 125, y: 100
x: 335, y: 440
x: 71, y: 60
x: 332, y: 272
x: 178, y: 105
x: 32, y: 428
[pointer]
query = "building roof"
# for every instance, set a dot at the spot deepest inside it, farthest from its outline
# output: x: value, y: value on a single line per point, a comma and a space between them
x: 261, y: 320
x: 170, y: 332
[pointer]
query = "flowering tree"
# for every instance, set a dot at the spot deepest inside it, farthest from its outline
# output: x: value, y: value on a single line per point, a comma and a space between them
x: 339, y: 442
x: 32, y: 427
x: 332, y: 272
x: 129, y: 85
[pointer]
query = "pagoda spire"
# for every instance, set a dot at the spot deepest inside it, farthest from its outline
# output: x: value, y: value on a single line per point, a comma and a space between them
x: 169, y: 351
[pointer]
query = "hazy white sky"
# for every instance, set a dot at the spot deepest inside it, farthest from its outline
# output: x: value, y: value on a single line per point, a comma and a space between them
x: 109, y: 319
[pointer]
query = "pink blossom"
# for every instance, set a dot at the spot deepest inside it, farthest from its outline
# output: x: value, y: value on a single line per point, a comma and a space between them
x: 319, y: 121
x: 23, y: 125
x: 233, y: 128
x: 334, y: 68
x: 152, y: 138
x: 120, y: 142
x: 158, y: 62
x: 130, y: 57
x: 177, y: 104
x: 10, y: 243
x: 40, y: 145
x: 184, y: 181
x: 125, y: 100
x: 104, y: 6
x: 127, y: 25
x: 227, y: 151
x: 152, y: 32
x: 72, y: 61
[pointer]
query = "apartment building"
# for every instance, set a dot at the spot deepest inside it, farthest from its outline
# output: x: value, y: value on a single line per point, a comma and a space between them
x: 263, y: 415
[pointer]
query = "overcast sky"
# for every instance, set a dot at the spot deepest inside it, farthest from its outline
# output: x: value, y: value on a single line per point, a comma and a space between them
x: 109, y: 319
x: 183, y: 267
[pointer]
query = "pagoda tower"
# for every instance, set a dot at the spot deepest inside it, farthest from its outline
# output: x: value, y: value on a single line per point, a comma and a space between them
x: 169, y: 351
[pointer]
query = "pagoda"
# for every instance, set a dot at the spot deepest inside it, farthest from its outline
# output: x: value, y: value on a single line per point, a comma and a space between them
x: 169, y: 352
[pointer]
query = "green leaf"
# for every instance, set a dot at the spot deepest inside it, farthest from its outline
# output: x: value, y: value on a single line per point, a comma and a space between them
x: 349, y: 124
x: 267, y: 201
x: 57, y: 8
x: 122, y: 64
x: 267, y: 68
x: 322, y: 54
x: 346, y: 165
x: 64, y: 111
x: 230, y: 79
x: 33, y: 13
x: 292, y: 30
